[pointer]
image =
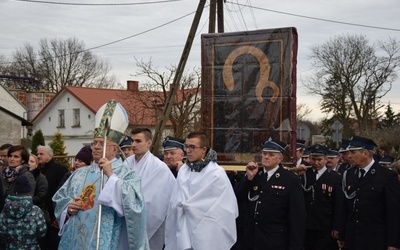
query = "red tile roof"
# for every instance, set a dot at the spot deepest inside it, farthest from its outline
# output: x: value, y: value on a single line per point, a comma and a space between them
x: 138, y: 104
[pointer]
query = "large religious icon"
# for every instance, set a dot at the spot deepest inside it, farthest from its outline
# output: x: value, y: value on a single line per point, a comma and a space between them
x: 249, y: 91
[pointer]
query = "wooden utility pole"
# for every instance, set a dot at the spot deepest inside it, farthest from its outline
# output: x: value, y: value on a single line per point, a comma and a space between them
x: 220, y: 13
x: 179, y: 71
x: 216, y: 9
x: 213, y: 12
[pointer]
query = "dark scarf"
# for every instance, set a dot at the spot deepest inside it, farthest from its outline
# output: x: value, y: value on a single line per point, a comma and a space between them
x: 35, y: 172
x: 199, y: 165
x: 9, y: 174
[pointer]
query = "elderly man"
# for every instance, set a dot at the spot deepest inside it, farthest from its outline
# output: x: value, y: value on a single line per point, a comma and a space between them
x: 203, y: 206
x: 173, y: 153
x: 126, y: 146
x: 157, y: 184
x: 273, y: 198
x: 54, y: 174
x: 80, y: 200
x: 372, y: 200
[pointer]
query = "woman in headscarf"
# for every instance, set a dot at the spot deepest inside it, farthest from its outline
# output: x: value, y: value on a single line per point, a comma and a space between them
x: 83, y: 158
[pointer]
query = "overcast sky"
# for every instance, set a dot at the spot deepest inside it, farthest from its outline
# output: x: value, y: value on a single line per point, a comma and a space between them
x: 158, y: 29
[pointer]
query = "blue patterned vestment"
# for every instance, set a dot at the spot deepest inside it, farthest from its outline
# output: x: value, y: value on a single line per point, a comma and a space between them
x: 81, y: 231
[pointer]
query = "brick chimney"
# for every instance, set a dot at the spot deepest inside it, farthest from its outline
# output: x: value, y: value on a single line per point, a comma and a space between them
x: 171, y: 85
x: 132, y: 86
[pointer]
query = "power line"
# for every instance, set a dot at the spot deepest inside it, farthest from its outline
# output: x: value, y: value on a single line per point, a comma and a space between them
x: 97, y: 4
x: 252, y: 15
x: 316, y: 18
x: 140, y: 33
x: 233, y: 20
x: 241, y: 14
x: 125, y: 38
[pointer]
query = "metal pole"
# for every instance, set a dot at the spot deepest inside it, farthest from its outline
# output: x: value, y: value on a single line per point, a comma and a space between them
x: 106, y: 131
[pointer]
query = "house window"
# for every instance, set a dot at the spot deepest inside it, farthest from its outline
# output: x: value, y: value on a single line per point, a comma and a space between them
x: 61, y: 118
x: 77, y: 118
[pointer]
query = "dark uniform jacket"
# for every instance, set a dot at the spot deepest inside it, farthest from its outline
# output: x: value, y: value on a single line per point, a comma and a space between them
x: 54, y: 173
x: 305, y: 163
x: 324, y: 201
x: 274, y: 211
x: 373, y: 213
x: 343, y: 167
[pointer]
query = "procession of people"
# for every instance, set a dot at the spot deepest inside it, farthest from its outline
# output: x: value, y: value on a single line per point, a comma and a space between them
x: 121, y: 196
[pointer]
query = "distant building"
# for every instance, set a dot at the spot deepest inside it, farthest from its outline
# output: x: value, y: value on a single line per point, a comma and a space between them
x: 13, y: 123
x: 72, y: 111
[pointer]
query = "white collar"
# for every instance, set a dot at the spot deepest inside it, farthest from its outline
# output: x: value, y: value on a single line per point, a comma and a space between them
x: 272, y: 171
x: 366, y: 168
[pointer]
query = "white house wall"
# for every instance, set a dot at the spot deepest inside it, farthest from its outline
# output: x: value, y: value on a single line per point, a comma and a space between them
x: 9, y: 102
x: 74, y: 137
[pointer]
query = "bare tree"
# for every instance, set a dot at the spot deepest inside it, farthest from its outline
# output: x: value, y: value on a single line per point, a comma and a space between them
x: 58, y: 63
x: 302, y: 110
x: 185, y: 114
x: 352, y: 76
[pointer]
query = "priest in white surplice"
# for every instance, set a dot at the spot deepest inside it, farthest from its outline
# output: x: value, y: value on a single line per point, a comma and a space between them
x: 203, y: 206
x: 157, y: 184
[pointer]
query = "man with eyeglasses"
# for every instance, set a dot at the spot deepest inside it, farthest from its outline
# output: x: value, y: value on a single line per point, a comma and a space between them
x: 372, y: 200
x: 157, y: 184
x: 273, y: 201
x: 203, y: 206
x: 79, y: 200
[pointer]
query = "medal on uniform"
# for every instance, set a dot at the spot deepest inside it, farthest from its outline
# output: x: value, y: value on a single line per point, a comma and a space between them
x: 255, y: 188
x: 323, y: 188
x: 329, y: 191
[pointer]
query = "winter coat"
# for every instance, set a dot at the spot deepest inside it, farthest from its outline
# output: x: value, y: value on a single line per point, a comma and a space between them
x: 54, y: 172
x: 21, y: 223
x: 39, y: 196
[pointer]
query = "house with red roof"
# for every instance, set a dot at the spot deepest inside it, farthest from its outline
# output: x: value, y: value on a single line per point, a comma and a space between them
x: 72, y: 112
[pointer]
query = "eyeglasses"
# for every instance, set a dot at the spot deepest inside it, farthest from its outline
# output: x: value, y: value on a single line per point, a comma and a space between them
x: 100, y: 144
x: 190, y: 147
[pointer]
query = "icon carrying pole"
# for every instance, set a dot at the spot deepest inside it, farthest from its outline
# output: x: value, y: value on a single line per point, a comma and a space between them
x: 106, y: 131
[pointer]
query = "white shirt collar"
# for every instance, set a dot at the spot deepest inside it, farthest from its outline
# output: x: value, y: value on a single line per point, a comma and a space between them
x: 320, y: 172
x: 272, y: 171
x: 366, y: 168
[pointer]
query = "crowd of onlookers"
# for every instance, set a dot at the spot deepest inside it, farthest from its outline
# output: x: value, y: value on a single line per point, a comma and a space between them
x: 29, y: 181
x: 330, y: 199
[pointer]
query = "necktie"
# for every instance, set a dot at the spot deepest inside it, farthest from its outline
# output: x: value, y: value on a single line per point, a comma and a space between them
x: 266, y: 176
x: 313, y: 178
x: 362, y: 172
